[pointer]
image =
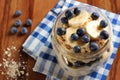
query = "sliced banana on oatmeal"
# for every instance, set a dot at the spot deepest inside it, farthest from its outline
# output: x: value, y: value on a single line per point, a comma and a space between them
x: 80, y: 19
x: 92, y: 28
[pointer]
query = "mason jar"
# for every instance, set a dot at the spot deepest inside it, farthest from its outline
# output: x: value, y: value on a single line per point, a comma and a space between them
x: 87, y: 62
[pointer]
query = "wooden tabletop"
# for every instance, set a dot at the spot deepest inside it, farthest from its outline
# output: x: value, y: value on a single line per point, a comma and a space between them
x: 10, y: 45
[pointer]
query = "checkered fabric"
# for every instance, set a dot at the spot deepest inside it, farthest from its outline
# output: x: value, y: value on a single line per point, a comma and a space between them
x: 38, y: 45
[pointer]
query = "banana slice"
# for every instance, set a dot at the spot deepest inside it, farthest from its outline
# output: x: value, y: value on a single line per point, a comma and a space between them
x: 70, y: 31
x: 92, y: 28
x: 80, y: 19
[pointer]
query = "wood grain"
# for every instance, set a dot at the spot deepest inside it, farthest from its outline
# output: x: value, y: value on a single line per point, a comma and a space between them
x: 114, y: 73
x: 36, y: 10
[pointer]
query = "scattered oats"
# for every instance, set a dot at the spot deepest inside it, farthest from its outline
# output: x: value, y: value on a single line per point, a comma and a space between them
x: 20, y: 55
x: 9, y: 55
x: 6, y: 52
x: 22, y: 72
x: 23, y: 62
x: 24, y: 68
x: 14, y: 48
x: 19, y: 64
x: 2, y: 73
x: 27, y: 74
x: 4, y: 59
x: 0, y: 64
x: 8, y: 49
x: 10, y: 65
x: 19, y: 51
x: 12, y: 69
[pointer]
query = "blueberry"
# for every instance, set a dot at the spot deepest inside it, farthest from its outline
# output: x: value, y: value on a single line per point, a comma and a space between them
x: 24, y: 30
x: 61, y: 31
x: 74, y: 36
x: 95, y: 16
x: 17, y: 23
x: 104, y: 34
x: 89, y: 64
x: 18, y: 13
x: 103, y: 23
x: 76, y: 11
x: 64, y: 20
x: 98, y: 59
x: 93, y: 46
x: 80, y: 31
x: 79, y: 64
x: 70, y: 64
x: 28, y: 22
x: 77, y: 49
x: 13, y: 30
x: 85, y: 38
x: 68, y: 14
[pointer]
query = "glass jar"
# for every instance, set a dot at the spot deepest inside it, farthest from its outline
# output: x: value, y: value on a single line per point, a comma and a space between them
x: 88, y: 62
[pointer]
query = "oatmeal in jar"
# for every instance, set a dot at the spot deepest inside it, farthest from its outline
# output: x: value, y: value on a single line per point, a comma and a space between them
x: 81, y: 38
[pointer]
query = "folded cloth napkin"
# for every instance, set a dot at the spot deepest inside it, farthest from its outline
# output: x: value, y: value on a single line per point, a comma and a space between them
x: 38, y: 45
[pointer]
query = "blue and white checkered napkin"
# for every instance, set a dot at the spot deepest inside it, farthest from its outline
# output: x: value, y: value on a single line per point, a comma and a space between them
x: 38, y: 45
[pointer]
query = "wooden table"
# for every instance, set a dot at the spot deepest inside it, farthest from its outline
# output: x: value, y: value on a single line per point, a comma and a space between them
x: 36, y: 10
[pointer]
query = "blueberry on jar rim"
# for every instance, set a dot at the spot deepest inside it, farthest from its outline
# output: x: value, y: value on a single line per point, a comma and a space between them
x: 85, y: 38
x: 76, y: 11
x: 64, y: 20
x: 104, y: 34
x: 80, y: 31
x: 95, y: 15
x: 61, y: 31
x: 74, y: 37
x: 77, y: 49
x: 69, y: 14
x: 94, y: 46
x: 103, y: 23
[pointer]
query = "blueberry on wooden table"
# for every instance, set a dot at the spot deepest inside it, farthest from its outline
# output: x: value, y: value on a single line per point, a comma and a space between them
x: 24, y: 30
x: 17, y: 23
x: 18, y: 13
x: 28, y: 22
x: 95, y: 15
x: 13, y: 30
